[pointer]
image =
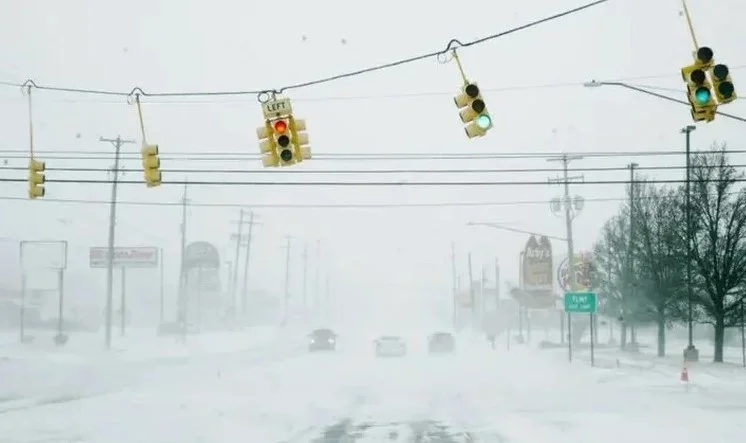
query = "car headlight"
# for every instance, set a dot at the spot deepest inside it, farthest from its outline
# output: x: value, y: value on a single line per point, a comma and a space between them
x: 331, y: 340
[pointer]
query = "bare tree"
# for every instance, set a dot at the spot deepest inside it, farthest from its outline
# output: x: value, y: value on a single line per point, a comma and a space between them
x: 610, y: 253
x: 719, y: 241
x: 660, y: 252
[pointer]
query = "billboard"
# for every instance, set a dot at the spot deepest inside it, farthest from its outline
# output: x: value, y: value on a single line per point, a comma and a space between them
x: 43, y: 255
x: 538, y: 272
x: 129, y: 257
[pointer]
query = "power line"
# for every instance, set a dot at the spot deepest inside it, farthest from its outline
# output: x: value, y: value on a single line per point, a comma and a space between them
x: 408, y: 95
x: 452, y: 44
x: 376, y: 171
x: 327, y: 205
x: 401, y: 183
x: 369, y: 156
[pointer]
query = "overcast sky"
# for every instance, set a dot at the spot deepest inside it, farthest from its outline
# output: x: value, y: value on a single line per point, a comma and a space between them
x: 532, y: 83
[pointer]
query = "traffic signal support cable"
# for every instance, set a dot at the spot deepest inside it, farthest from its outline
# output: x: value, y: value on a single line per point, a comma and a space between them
x: 452, y: 45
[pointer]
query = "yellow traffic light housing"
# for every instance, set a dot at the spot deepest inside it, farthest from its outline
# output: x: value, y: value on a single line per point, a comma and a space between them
x: 725, y: 92
x: 36, y: 178
x: 151, y: 165
x: 699, y: 92
x: 282, y: 137
x: 283, y: 142
x: 473, y: 111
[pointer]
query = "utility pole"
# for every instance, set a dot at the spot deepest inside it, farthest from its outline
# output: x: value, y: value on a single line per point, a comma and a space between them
x: 454, y: 295
x: 182, y: 297
x: 245, y: 285
x: 571, y: 210
x: 472, y: 295
x: 317, y: 296
x: 237, y: 256
x: 287, y: 281
x: 626, y: 313
x: 691, y: 353
x: 305, y: 276
x: 117, y: 143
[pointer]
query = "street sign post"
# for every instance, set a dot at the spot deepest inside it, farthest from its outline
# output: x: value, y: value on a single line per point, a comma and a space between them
x: 582, y: 303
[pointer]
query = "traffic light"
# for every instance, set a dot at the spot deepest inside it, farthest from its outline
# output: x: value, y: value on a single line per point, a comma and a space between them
x: 722, y: 84
x: 151, y: 165
x: 281, y: 133
x: 699, y: 88
x: 473, y: 111
x: 36, y: 178
x: 283, y: 142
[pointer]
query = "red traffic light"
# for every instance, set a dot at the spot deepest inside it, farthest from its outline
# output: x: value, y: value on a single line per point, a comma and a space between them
x: 280, y: 126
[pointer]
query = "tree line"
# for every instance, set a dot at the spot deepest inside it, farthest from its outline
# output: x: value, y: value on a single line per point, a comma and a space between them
x: 643, y: 251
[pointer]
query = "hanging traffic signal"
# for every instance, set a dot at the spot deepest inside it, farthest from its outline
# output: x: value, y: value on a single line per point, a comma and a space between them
x: 151, y: 165
x: 473, y: 111
x: 281, y: 133
x: 722, y: 84
x: 36, y: 178
x: 283, y: 142
x: 699, y: 88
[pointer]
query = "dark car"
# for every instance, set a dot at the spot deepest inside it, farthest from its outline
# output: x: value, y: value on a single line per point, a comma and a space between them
x: 322, y: 340
x: 441, y: 342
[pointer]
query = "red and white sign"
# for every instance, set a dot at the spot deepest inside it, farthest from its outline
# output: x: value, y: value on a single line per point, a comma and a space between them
x: 138, y: 257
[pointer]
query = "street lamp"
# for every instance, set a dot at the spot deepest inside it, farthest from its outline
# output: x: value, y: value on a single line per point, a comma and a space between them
x: 520, y: 231
x: 690, y: 352
x: 596, y: 84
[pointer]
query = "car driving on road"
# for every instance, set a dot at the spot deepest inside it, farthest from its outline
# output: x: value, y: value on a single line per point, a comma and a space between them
x: 390, y: 346
x: 441, y: 343
x: 322, y: 339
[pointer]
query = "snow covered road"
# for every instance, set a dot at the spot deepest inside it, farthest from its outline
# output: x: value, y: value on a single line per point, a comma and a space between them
x: 284, y: 394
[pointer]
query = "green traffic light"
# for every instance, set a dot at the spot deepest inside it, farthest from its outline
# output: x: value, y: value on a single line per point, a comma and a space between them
x: 484, y: 121
x: 702, y: 95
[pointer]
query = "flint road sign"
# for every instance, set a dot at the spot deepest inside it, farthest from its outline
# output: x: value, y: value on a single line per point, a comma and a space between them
x: 580, y: 302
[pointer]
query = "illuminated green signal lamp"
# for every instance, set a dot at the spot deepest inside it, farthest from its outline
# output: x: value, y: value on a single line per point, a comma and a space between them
x: 483, y: 121
x: 702, y: 95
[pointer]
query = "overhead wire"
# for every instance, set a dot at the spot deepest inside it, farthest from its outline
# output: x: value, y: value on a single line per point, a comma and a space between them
x: 452, y: 44
x: 400, y: 183
x: 442, y: 204
x: 368, y: 156
x: 379, y: 171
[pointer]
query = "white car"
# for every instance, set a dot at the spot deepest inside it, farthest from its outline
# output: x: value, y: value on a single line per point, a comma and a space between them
x: 390, y: 346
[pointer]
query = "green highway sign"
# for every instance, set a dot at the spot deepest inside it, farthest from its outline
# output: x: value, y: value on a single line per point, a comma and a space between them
x: 580, y: 302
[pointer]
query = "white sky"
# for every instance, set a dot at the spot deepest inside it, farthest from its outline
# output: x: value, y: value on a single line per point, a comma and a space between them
x: 391, y: 253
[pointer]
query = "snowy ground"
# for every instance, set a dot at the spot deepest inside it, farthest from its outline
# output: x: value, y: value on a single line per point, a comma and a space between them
x: 277, y: 392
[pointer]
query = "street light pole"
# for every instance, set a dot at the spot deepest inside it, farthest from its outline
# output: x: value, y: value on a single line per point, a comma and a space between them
x: 690, y: 353
x: 596, y: 84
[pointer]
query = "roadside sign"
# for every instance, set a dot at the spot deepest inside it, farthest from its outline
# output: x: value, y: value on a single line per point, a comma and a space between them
x: 277, y: 108
x: 38, y: 255
x: 580, y: 302
x: 137, y: 257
